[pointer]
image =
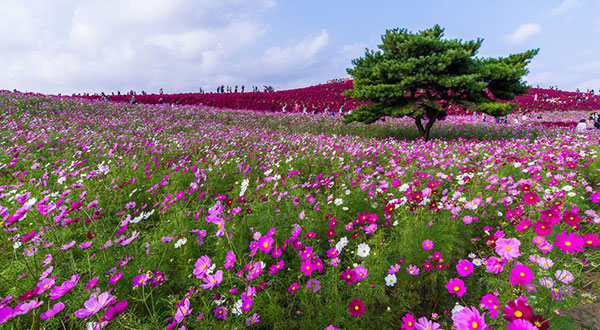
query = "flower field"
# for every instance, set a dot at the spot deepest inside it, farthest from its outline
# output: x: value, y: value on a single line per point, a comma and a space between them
x: 124, y: 216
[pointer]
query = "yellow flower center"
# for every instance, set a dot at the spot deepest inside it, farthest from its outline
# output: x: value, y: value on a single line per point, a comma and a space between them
x: 355, y: 308
x: 567, y: 243
x: 508, y: 248
x: 474, y: 325
x: 266, y: 244
x: 518, y: 314
x: 522, y: 274
x: 456, y: 288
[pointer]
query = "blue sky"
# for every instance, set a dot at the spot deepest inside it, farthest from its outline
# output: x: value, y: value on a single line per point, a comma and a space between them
x: 66, y: 46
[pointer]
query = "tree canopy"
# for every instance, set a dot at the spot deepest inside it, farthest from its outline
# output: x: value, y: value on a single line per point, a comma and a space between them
x: 422, y: 75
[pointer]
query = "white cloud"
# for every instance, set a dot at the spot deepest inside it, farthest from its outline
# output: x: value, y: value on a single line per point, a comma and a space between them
x: 71, y: 46
x: 565, y: 7
x: 523, y: 33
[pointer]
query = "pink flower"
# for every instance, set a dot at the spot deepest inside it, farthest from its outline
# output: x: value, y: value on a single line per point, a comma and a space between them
x: 464, y: 267
x: 66, y: 286
x: 182, y: 311
x: 46, y: 284
x: 85, y: 245
x: 68, y: 245
x: 517, y: 309
x: 52, y: 311
x: 425, y: 324
x: 595, y: 197
x: 201, y: 267
x: 520, y: 324
x: 229, y: 260
x: 570, y: 243
x: 521, y: 274
x: 508, y: 248
x: 361, y: 272
x: 115, y: 278
x: 349, y: 276
x: 210, y: 281
x: 94, y: 304
x: 469, y: 318
x: 413, y: 270
x: 456, y: 286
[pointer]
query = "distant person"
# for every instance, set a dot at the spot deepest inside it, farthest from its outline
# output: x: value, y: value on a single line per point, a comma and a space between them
x: 243, y: 88
x: 132, y: 99
x: 160, y: 91
x: 581, y: 126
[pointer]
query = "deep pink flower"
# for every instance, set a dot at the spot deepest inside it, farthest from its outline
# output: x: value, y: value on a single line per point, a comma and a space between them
x: 115, y: 278
x: 494, y: 265
x: 469, y: 318
x: 91, y: 284
x: 595, y: 197
x: 517, y: 309
x: 265, y: 244
x: 140, y: 279
x: 530, y: 198
x: 569, y: 243
x: 490, y: 302
x: 464, y: 267
x: 112, y: 312
x: 220, y: 312
x: 349, y: 276
x: 408, y: 322
x: 427, y: 244
x: 293, y: 287
x: 306, y: 267
x: 521, y: 274
x: 590, y: 240
x: 456, y: 286
x: 356, y: 307
x: 520, y: 324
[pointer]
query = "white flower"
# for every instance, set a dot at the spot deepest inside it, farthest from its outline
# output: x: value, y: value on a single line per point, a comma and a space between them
x: 341, y: 244
x: 338, y: 202
x: 347, y: 192
x: 390, y: 280
x: 395, y: 223
x: 477, y: 262
x: 363, y: 250
x: 17, y: 245
x: 472, y: 255
x: 180, y: 242
x: 237, y: 308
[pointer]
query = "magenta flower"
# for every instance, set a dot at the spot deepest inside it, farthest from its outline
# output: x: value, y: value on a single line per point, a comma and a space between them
x: 590, y: 240
x: 182, y: 310
x: 408, y: 322
x: 469, y: 318
x: 66, y: 286
x: 508, y: 248
x: 306, y: 267
x: 140, y: 280
x: 6, y: 313
x: 94, y: 304
x: 427, y: 244
x: 85, y: 245
x: 595, y: 197
x: 91, y: 284
x: 349, y: 276
x: 293, y: 287
x: 313, y: 285
x: 456, y: 286
x: 265, y: 244
x: 307, y: 253
x: 521, y: 274
x: 229, y: 260
x: 520, y: 324
x: 464, y: 267
x: 247, y: 304
x: 52, y: 311
x: 356, y: 307
x: 115, y: 278
x: 517, y: 309
x: 112, y: 312
x: 26, y: 307
x: 361, y: 272
x: 220, y: 312
x: 210, y: 281
x: 201, y: 267
x: 490, y: 302
x: 531, y: 198
x: 569, y: 243
x: 68, y: 245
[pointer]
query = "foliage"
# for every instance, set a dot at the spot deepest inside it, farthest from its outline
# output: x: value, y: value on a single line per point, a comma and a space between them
x: 423, y: 75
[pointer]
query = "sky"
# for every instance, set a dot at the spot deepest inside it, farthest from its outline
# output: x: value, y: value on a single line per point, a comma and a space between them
x: 77, y: 46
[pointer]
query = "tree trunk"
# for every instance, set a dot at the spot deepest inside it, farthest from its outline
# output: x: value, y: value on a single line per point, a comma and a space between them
x: 428, y: 128
x: 420, y: 125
